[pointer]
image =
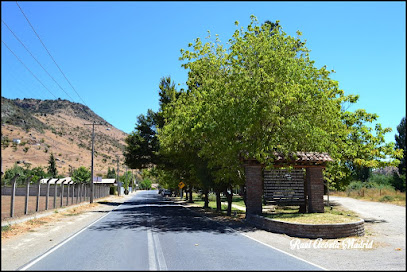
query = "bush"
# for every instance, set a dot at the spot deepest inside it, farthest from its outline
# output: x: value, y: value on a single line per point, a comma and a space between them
x: 380, y: 179
x: 355, y: 185
x: 399, y: 182
x: 386, y: 198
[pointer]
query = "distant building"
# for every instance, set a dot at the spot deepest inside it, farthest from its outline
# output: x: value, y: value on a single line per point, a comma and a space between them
x: 16, y: 140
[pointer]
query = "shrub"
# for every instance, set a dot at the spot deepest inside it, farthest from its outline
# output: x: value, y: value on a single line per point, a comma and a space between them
x: 380, y: 179
x: 386, y: 198
x: 399, y: 182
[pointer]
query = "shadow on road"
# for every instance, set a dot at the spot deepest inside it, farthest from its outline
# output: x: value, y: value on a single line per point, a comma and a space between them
x: 164, y: 216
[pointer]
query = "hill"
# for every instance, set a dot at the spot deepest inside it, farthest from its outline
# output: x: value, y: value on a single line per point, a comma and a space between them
x: 57, y: 126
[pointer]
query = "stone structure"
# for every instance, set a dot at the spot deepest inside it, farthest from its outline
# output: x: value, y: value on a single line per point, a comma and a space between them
x: 313, y: 162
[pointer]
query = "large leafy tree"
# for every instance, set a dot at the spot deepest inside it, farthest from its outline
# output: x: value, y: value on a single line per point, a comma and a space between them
x: 261, y: 96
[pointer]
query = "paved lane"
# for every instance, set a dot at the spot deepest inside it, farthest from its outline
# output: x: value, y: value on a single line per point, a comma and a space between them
x: 149, y: 232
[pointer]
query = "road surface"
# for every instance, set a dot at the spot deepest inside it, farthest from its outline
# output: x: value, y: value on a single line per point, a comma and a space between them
x: 149, y: 232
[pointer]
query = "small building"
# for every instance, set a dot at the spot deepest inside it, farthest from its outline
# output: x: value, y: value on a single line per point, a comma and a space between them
x: 16, y: 140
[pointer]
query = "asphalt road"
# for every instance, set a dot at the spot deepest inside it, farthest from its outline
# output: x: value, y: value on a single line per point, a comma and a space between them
x: 149, y: 232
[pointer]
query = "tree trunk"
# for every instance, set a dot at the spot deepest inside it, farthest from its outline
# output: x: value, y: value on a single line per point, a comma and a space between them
x: 218, y: 202
x: 206, y: 199
x: 229, y: 199
x: 190, y: 195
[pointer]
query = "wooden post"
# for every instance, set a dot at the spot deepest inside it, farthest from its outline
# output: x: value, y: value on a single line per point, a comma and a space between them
x: 27, y: 194
x: 13, y: 193
x: 37, y: 207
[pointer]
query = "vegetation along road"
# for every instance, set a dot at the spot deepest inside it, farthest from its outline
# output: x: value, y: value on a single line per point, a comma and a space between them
x: 149, y: 232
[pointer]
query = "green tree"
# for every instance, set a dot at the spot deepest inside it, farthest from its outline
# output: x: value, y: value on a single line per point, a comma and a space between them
x: 11, y: 173
x: 52, y: 169
x: 37, y: 173
x: 401, y: 144
x: 81, y: 174
x: 141, y: 144
x: 111, y: 173
x: 264, y: 96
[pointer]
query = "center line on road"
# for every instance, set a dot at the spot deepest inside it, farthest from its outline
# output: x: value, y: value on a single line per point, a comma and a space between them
x: 151, y: 252
x: 160, y: 255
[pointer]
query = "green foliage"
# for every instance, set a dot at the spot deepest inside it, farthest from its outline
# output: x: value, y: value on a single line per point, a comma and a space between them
x: 401, y: 144
x: 386, y: 198
x: 111, y: 173
x: 24, y: 172
x: 52, y: 169
x: 81, y: 174
x: 142, y: 144
x: 145, y: 184
x: 263, y: 94
x: 381, y: 179
x: 399, y: 182
x: 126, y: 178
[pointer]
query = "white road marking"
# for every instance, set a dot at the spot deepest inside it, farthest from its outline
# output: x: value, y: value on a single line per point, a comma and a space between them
x: 230, y: 229
x: 151, y: 252
x: 160, y: 255
x: 63, y: 243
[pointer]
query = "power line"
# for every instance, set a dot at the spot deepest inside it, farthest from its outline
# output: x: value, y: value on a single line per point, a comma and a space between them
x: 36, y: 59
x: 49, y: 53
x: 27, y: 68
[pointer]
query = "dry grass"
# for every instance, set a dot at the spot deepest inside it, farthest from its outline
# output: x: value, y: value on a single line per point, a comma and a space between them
x: 330, y: 216
x: 377, y: 195
x: 71, y: 153
x: 33, y: 224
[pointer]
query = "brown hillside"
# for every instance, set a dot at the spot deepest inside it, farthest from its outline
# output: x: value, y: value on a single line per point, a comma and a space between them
x: 63, y: 133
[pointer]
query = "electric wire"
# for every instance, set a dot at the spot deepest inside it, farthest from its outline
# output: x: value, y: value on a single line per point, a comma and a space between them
x: 50, y: 53
x: 36, y: 59
x: 28, y: 69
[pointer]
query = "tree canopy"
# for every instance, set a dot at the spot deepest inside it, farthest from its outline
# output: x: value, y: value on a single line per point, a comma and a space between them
x: 262, y: 95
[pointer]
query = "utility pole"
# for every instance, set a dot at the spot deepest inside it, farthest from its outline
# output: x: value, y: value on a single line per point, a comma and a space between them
x: 91, y: 167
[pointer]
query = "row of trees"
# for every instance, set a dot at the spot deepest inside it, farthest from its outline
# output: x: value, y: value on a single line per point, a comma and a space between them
x: 259, y: 96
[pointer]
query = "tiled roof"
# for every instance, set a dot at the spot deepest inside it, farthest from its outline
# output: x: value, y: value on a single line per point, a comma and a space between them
x: 305, y: 157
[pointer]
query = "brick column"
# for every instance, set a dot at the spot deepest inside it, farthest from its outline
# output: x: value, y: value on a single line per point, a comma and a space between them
x: 315, y: 189
x: 254, y: 188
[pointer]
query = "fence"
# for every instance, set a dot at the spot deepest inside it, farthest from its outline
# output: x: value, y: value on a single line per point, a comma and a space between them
x: 18, y: 201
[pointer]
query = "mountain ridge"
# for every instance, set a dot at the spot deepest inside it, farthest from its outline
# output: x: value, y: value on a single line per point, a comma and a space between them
x: 57, y: 126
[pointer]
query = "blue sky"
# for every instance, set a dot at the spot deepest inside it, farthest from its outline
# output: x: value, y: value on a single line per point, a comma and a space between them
x: 115, y: 53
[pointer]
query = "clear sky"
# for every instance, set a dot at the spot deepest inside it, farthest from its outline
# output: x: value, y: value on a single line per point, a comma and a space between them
x: 115, y: 53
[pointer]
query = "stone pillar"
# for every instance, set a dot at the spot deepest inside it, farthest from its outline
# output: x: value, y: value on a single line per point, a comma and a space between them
x: 315, y: 189
x: 254, y: 188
